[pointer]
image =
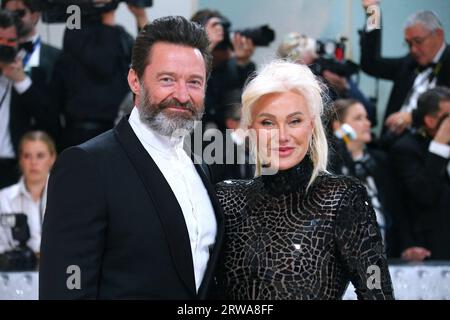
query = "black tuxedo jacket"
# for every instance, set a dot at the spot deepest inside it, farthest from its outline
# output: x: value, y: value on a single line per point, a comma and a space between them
x: 426, y: 192
x: 402, y: 71
x: 111, y: 212
x: 32, y: 109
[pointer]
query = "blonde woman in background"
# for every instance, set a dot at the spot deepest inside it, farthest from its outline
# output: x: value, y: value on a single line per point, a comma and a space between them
x: 37, y: 154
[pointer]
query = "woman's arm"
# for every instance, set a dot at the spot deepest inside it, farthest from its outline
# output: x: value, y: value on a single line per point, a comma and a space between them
x: 360, y: 245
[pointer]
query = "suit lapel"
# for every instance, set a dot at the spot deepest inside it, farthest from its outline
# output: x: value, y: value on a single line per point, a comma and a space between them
x: 166, y: 204
x: 214, y: 254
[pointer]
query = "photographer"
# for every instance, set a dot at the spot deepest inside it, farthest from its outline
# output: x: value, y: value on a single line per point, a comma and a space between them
x: 307, y: 51
x: 37, y: 154
x: 90, y: 78
x: 23, y: 98
x: 425, y: 66
x: 231, y: 64
x: 421, y: 162
x: 39, y: 57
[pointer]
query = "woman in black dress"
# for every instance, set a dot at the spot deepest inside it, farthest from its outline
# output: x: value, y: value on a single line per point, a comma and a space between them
x: 296, y: 231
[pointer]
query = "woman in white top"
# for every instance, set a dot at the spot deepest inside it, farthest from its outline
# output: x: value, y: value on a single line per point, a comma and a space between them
x: 37, y: 153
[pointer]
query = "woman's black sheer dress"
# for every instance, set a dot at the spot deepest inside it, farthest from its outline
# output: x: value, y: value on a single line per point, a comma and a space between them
x: 285, y: 243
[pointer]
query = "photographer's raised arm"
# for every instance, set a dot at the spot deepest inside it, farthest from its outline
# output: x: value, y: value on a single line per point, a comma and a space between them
x: 371, y: 61
x: 139, y: 14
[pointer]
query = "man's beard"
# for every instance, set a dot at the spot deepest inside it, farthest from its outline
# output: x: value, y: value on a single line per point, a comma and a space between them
x: 165, y: 122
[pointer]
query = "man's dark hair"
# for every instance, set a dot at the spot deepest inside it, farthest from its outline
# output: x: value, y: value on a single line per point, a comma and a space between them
x: 174, y: 30
x: 8, y: 19
x: 340, y: 109
x: 32, y: 5
x: 428, y: 102
x: 202, y: 16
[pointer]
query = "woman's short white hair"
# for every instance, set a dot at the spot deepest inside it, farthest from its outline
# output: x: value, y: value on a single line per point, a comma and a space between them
x: 282, y: 76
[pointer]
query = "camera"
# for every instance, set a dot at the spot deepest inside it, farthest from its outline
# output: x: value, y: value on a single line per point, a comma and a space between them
x: 261, y: 36
x: 328, y: 54
x: 21, y: 258
x: 7, y: 54
x: 54, y: 11
x: 331, y: 55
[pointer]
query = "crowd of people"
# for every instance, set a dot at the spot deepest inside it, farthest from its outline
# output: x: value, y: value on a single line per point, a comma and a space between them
x: 302, y: 205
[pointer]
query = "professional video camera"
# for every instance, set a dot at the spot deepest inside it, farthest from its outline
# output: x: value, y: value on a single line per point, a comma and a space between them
x: 261, y: 36
x: 55, y: 11
x: 21, y: 258
x: 328, y: 54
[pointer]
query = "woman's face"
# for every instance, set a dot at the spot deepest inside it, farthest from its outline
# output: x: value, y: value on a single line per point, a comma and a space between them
x: 283, y: 126
x: 36, y: 161
x: 356, y: 117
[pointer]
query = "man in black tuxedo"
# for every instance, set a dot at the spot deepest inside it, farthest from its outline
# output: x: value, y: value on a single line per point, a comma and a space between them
x: 421, y: 162
x: 23, y: 96
x: 128, y: 213
x: 426, y: 65
x: 40, y: 57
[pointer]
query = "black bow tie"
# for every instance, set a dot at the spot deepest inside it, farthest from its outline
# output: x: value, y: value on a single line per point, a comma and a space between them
x: 425, y: 67
x: 27, y: 46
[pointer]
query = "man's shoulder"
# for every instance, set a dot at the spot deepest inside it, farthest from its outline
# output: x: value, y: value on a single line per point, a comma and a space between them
x: 410, y: 142
x: 49, y: 48
x: 104, y: 143
x: 49, y: 52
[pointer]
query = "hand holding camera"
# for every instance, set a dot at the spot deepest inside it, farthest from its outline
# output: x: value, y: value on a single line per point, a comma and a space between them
x: 397, y: 122
x: 443, y: 133
x: 243, y: 48
x: 368, y: 3
x: 215, y: 32
x: 139, y: 13
x: 13, y: 70
x: 339, y: 83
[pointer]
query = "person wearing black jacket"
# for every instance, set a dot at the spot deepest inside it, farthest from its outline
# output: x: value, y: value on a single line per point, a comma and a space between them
x: 231, y: 65
x: 24, y: 85
x: 421, y: 162
x: 425, y: 66
x: 89, y: 82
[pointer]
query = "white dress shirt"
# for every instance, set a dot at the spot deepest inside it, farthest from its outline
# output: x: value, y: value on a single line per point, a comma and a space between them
x: 422, y: 84
x: 189, y: 190
x: 34, y: 59
x: 442, y: 150
x: 17, y: 199
x: 6, y: 146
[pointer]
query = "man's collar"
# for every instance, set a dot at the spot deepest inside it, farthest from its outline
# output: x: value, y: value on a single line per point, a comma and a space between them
x: 153, y: 139
x: 438, y: 55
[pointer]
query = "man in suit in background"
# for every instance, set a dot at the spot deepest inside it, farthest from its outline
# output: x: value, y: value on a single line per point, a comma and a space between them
x: 23, y: 97
x: 426, y: 65
x: 421, y: 162
x: 128, y: 212
x: 40, y: 57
